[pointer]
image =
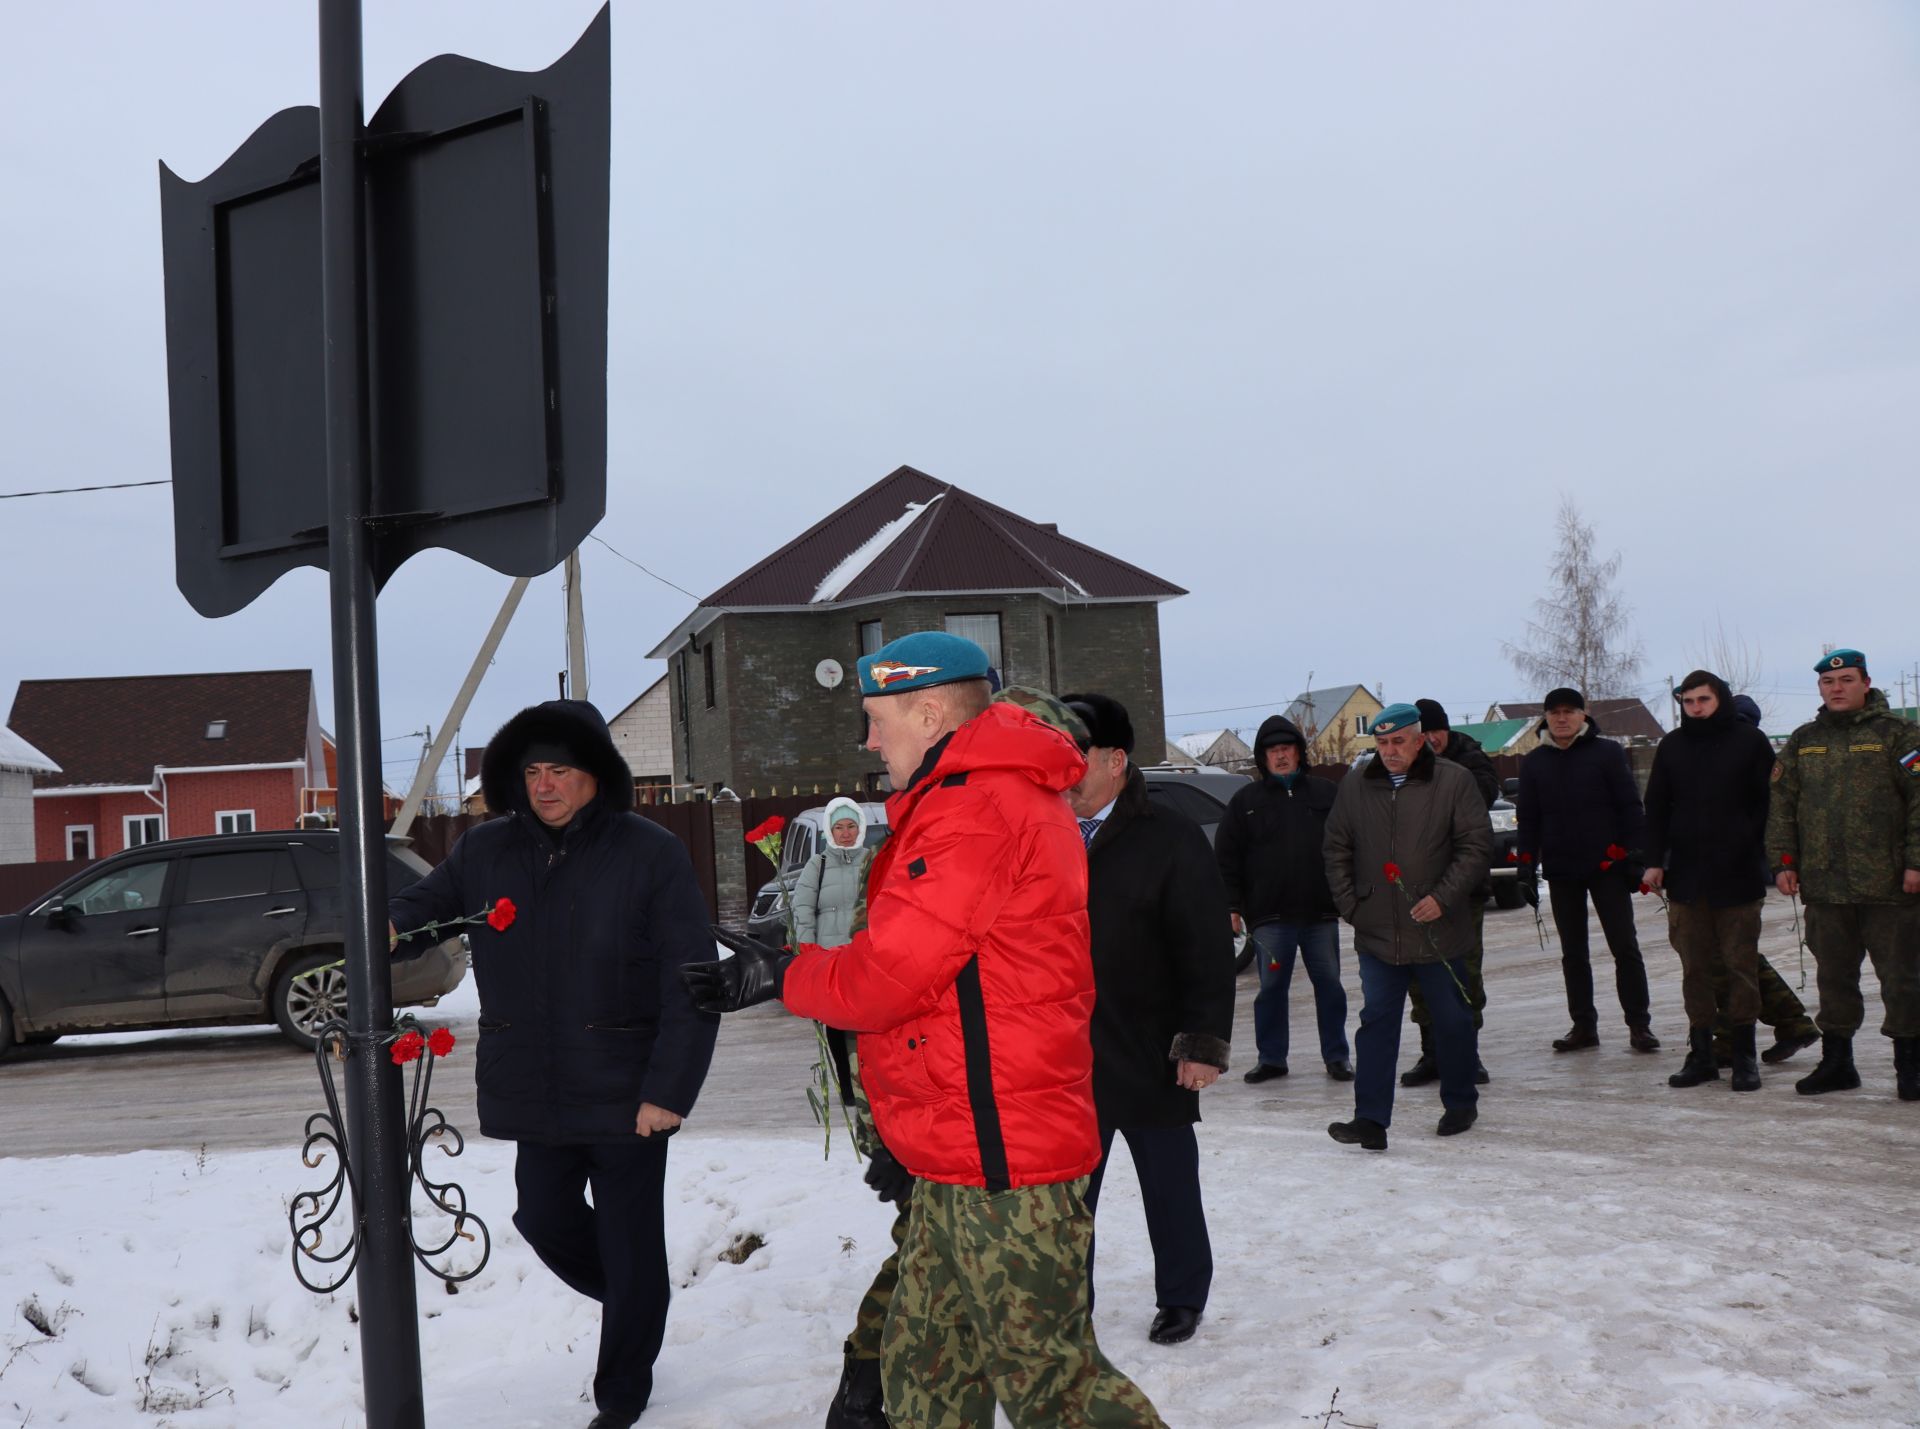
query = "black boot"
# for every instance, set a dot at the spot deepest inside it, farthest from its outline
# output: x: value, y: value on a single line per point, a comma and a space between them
x: 1785, y: 1044
x: 856, y: 1404
x: 1582, y: 1036
x: 1746, y: 1066
x: 1906, y: 1067
x: 1426, y: 1069
x: 1699, y: 1066
x: 1640, y: 1037
x: 1836, y: 1071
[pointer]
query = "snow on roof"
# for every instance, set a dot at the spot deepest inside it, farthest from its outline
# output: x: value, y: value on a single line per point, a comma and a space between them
x: 16, y: 753
x: 869, y: 551
x: 1195, y: 745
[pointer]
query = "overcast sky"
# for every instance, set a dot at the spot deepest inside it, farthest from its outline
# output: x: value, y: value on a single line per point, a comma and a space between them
x: 1316, y: 310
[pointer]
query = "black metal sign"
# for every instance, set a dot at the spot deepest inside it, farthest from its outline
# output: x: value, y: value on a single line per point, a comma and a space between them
x: 486, y: 296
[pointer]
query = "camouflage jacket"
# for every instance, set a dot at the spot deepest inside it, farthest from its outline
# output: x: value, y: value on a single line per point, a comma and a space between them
x: 1845, y: 813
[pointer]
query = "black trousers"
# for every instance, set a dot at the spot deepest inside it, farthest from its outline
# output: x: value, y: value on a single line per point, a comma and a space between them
x: 613, y: 1251
x: 1167, y: 1160
x: 1613, y: 901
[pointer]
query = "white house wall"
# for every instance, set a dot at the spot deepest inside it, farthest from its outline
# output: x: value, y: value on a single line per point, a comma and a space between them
x: 16, y: 816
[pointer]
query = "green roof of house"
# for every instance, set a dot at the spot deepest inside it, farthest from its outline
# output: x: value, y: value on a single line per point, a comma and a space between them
x: 1493, y: 736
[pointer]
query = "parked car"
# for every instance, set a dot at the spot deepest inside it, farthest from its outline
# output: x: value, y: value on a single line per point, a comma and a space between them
x: 805, y: 836
x: 203, y: 932
x: 1202, y: 794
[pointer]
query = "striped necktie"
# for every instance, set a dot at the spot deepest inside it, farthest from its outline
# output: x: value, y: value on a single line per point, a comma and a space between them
x: 1088, y: 828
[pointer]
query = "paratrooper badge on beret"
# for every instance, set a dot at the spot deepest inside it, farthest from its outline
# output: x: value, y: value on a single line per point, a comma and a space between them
x: 1395, y: 717
x: 1841, y: 660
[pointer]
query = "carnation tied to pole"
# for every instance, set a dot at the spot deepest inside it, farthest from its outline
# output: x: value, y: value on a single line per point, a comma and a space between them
x: 1392, y: 871
x: 769, y: 836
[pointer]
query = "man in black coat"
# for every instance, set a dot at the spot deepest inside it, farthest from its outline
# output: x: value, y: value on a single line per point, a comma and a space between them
x: 1581, y: 820
x: 1449, y: 744
x: 1163, y: 1014
x: 1271, y: 849
x: 1706, y: 843
x: 591, y: 1050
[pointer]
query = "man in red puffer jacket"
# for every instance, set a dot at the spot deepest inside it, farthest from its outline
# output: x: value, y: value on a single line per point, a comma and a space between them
x: 972, y: 989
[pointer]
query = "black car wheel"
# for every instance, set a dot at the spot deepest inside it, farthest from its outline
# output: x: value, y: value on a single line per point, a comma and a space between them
x: 311, y: 992
x: 1242, y: 953
x: 6, y: 1029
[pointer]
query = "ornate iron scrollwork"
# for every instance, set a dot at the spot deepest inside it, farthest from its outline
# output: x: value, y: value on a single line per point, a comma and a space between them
x: 326, y: 1132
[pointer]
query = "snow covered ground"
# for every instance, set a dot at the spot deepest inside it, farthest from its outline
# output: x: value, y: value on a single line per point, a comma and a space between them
x: 1600, y: 1250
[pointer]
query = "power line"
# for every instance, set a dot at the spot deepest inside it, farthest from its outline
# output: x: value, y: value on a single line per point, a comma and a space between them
x: 638, y: 567
x: 71, y: 490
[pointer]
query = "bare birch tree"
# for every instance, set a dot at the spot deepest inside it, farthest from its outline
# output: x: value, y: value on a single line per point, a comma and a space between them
x: 1581, y: 634
x: 1728, y: 654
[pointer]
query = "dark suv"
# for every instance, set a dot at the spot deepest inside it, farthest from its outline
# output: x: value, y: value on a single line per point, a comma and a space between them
x: 202, y: 932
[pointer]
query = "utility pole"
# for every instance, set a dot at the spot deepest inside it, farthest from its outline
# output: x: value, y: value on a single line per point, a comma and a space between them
x: 576, y: 632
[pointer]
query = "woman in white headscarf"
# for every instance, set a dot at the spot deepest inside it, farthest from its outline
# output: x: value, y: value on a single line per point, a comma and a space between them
x: 830, y: 886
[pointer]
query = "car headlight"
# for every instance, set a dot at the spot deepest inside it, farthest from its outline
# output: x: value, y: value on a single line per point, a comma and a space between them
x: 1505, y: 821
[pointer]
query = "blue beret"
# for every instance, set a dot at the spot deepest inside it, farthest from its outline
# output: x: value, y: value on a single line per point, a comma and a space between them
x: 919, y: 661
x: 1841, y: 660
x: 1395, y: 717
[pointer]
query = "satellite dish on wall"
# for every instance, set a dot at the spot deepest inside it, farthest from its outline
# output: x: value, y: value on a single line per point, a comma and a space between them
x: 829, y: 673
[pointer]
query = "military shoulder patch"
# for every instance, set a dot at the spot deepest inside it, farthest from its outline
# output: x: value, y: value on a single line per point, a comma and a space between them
x: 1866, y: 749
x: 1813, y: 749
x: 1910, y: 761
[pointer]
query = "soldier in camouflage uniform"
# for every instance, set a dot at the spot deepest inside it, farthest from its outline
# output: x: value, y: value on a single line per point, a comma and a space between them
x: 1844, y: 833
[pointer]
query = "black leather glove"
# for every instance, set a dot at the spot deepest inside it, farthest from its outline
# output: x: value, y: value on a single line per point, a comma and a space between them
x: 752, y: 975
x: 1529, y: 889
x: 890, y: 1180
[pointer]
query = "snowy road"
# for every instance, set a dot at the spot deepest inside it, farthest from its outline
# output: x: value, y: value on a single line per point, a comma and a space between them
x: 1601, y: 1250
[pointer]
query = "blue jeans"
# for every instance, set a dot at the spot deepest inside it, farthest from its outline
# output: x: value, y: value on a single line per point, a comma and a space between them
x: 1319, y: 947
x: 1383, y: 992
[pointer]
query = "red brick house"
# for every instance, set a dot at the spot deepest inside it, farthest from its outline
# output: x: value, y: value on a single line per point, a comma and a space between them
x: 168, y: 756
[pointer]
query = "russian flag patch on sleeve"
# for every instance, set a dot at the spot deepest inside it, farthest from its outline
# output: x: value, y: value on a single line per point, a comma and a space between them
x: 1910, y: 761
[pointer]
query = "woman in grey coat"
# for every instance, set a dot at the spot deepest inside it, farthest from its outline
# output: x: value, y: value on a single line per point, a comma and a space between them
x: 828, y: 889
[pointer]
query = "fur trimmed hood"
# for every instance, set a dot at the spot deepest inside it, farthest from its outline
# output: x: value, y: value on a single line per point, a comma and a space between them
x: 574, y: 723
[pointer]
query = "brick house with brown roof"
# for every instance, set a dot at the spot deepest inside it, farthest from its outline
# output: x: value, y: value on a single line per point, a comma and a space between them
x: 168, y: 756
x: 761, y: 673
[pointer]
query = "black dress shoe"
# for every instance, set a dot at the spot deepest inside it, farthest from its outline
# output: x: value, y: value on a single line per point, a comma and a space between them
x: 1455, y: 1120
x: 612, y: 1419
x: 1641, y: 1039
x: 1359, y: 1132
x: 1340, y: 1071
x: 1174, y: 1325
x: 1581, y: 1036
x: 1480, y: 1077
x: 1264, y: 1072
x: 1424, y: 1070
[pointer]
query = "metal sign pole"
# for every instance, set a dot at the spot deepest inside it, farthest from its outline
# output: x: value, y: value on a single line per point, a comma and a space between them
x: 376, y: 1118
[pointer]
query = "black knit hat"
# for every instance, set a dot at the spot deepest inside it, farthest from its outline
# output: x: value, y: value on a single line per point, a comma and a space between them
x: 1564, y: 696
x: 1433, y: 715
x: 1106, y: 719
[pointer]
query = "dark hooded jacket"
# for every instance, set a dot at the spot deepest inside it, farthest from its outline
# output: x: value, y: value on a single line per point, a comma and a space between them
x: 583, y: 1015
x: 1271, y: 843
x: 1707, y: 807
x: 1576, y: 803
x: 1471, y: 755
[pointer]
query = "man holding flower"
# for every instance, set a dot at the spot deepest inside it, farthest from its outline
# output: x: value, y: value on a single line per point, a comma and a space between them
x: 591, y: 1050
x: 1408, y: 843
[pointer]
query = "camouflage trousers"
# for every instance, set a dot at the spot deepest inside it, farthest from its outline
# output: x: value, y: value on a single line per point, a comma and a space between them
x: 1471, y: 979
x: 992, y: 1306
x: 871, y: 1318
x: 1780, y: 1008
x: 1838, y: 934
x: 1719, y: 951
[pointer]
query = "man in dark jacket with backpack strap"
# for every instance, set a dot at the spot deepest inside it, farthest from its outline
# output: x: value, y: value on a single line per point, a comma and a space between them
x: 591, y: 1050
x: 1271, y: 850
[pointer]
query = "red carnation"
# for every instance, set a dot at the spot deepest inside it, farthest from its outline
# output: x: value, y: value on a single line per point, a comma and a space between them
x: 1392, y: 871
x: 1615, y: 852
x: 1512, y: 857
x: 766, y: 829
x: 1646, y: 888
x: 407, y: 1048
x: 441, y: 1042
x: 1605, y: 864
x: 1526, y: 858
x: 1786, y: 860
x: 500, y: 917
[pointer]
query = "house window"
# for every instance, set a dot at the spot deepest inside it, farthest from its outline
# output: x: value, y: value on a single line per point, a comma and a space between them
x: 984, y: 631
x: 1359, y: 724
x: 79, y: 840
x: 706, y: 657
x: 233, y: 821
x: 142, y: 829
x: 872, y: 637
x: 216, y: 729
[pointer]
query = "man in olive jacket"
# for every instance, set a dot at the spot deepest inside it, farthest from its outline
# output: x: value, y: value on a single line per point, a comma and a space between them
x: 1407, y: 844
x: 591, y: 1050
x: 1843, y: 832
